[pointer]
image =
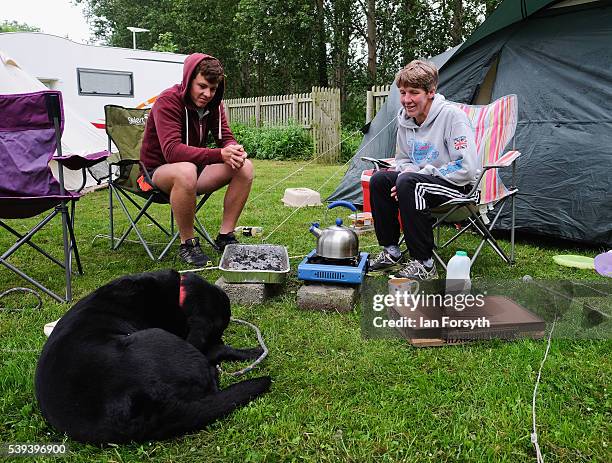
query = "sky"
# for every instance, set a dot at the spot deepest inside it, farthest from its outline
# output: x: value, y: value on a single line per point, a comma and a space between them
x: 57, y: 17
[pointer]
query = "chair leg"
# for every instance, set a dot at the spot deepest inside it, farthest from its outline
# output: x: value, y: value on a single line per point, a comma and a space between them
x: 439, y: 259
x: 26, y: 238
x: 143, y: 211
x: 204, y: 234
x: 67, y: 257
x: 73, y: 245
x: 31, y: 280
x: 133, y: 226
x: 202, y: 230
x: 168, y: 246
x: 486, y: 233
x: 23, y: 239
x: 29, y: 243
x: 456, y: 235
x: 110, y: 210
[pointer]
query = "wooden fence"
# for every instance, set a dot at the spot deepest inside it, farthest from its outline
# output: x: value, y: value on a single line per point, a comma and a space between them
x: 375, y: 99
x: 318, y: 111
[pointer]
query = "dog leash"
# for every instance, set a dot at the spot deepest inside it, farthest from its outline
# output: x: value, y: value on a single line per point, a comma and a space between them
x: 25, y: 290
x: 259, y: 359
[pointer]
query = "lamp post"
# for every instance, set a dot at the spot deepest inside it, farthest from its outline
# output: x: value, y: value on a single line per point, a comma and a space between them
x: 134, y: 30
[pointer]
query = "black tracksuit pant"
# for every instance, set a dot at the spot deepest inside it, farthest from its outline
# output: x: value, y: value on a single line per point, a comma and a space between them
x: 416, y: 193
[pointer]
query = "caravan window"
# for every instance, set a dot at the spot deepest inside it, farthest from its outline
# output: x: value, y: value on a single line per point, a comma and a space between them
x: 101, y: 82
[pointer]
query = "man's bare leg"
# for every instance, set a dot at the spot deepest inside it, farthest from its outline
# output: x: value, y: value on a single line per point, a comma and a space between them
x: 179, y: 180
x: 239, y: 183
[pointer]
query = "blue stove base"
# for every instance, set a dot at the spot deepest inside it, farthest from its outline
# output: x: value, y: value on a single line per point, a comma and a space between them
x: 333, y: 273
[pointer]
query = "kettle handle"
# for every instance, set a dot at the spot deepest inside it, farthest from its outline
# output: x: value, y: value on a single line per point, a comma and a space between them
x: 346, y: 204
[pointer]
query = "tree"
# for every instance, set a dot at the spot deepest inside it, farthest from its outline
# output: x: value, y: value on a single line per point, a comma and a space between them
x: 165, y: 42
x: 287, y: 46
x: 14, y: 26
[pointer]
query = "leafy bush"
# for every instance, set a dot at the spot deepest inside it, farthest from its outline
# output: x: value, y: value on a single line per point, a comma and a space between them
x: 278, y: 143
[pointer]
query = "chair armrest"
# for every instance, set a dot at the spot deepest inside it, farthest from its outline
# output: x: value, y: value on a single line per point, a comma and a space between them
x: 378, y: 163
x: 506, y: 160
x: 146, y: 175
x: 76, y: 161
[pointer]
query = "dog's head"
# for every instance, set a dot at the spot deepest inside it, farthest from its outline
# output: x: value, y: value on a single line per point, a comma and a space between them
x: 207, y: 308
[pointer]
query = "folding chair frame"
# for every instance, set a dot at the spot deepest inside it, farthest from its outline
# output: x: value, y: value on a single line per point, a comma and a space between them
x: 68, y: 236
x: 470, y: 203
x: 151, y: 197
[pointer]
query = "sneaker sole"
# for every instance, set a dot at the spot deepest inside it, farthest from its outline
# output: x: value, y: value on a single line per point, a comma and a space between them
x: 381, y: 271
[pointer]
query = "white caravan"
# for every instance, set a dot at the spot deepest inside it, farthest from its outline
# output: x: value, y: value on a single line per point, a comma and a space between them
x: 91, y: 76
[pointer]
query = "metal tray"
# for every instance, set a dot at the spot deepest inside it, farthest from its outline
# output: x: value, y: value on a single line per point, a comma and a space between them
x: 245, y: 263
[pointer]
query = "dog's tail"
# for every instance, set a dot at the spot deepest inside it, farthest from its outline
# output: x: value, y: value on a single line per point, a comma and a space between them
x: 199, y: 414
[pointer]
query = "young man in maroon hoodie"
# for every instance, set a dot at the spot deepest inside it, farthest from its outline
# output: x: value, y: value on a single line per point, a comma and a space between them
x: 175, y: 155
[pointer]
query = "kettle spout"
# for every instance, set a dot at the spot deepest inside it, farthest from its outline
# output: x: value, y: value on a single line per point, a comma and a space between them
x: 315, y: 230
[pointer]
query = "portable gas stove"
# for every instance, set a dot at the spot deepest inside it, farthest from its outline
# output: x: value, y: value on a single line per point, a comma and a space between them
x: 317, y: 268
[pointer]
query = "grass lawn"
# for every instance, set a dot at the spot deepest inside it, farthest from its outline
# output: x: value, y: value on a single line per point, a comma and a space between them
x: 335, y: 396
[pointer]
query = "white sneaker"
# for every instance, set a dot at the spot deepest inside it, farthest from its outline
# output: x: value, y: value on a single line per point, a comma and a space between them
x: 415, y: 270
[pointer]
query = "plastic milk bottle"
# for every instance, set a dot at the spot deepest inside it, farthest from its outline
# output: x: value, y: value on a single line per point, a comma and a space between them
x: 458, y: 274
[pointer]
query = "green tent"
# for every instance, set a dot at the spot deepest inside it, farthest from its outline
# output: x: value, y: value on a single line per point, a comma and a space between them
x: 557, y: 57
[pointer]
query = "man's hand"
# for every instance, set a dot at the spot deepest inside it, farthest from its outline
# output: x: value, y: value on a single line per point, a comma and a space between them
x: 234, y: 156
x: 394, y: 192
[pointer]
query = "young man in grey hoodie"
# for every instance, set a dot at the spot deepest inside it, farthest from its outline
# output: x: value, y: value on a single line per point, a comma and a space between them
x: 436, y: 160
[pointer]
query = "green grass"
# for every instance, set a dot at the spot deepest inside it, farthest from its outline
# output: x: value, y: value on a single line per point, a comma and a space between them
x: 335, y: 396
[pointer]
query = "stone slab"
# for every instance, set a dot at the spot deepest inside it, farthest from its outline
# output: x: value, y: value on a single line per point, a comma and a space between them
x: 327, y: 297
x: 244, y: 293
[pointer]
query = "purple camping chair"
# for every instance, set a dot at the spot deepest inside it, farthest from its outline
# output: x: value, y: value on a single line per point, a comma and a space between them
x: 31, y: 125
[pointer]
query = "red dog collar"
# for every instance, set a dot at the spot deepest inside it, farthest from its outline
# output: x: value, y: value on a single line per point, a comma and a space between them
x: 182, y: 293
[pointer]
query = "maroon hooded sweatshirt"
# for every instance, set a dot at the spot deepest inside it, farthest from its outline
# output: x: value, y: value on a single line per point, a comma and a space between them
x: 174, y: 116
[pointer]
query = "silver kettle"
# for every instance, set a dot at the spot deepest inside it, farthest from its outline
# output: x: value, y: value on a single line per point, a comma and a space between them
x: 337, y: 241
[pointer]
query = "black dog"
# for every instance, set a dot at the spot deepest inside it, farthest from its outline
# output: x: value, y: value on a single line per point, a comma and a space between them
x: 136, y: 360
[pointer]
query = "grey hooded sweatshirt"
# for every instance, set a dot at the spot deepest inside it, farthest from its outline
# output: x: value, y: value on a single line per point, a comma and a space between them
x: 442, y: 146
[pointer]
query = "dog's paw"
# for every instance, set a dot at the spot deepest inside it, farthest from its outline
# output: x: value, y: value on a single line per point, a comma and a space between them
x: 253, y: 354
x: 263, y: 383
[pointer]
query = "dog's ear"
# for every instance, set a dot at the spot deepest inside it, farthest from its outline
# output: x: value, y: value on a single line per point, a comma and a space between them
x: 208, y: 311
x: 143, y: 291
x: 204, y: 298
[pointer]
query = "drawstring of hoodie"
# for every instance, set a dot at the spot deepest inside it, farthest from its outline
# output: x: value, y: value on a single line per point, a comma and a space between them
x: 187, y: 124
x: 220, y: 108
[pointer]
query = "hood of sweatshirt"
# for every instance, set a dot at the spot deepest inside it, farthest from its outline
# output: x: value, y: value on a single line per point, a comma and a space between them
x: 436, y: 106
x: 191, y: 62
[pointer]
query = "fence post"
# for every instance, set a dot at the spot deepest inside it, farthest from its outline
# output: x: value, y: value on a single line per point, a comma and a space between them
x: 295, y: 108
x: 226, y: 108
x: 316, y: 122
x: 369, y: 106
x: 258, y: 112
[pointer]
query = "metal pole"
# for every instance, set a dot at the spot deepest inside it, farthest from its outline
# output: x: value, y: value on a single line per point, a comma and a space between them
x: 134, y: 38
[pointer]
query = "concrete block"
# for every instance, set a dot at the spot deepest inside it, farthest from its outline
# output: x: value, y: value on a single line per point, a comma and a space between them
x: 327, y: 297
x: 244, y: 293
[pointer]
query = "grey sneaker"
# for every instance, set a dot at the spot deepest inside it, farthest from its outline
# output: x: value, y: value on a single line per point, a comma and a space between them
x: 383, y: 261
x: 191, y: 252
x: 415, y: 270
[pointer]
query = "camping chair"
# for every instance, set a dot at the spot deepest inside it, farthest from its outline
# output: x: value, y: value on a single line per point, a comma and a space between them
x: 30, y: 132
x: 494, y: 127
x: 125, y: 128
